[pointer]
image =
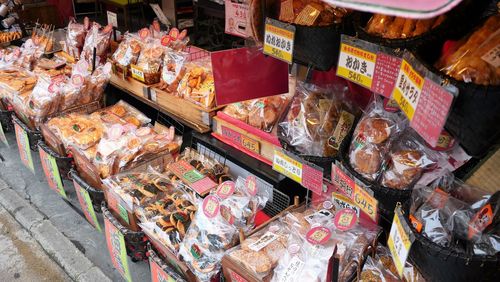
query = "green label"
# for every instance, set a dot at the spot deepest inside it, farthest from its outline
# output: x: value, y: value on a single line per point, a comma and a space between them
x: 23, y: 145
x: 123, y: 213
x: 56, y: 176
x: 87, y: 206
x: 193, y: 176
x: 117, y: 250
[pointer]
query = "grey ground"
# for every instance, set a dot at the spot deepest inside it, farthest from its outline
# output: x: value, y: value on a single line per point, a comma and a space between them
x: 59, y: 228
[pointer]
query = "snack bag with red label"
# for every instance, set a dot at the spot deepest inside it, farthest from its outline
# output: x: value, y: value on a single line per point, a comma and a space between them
x: 128, y: 51
x: 409, y: 157
x: 173, y: 70
x: 372, y: 138
x: 175, y: 39
x: 99, y: 39
x: 207, y: 166
x: 207, y: 239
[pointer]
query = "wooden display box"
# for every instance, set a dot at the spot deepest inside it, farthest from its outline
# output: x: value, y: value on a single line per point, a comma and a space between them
x: 196, y: 116
x: 246, y: 138
x: 129, y: 85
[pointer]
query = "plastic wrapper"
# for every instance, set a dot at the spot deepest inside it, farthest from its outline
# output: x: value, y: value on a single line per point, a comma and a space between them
x: 373, y: 271
x: 476, y: 60
x: 198, y: 85
x: 94, y: 85
x: 167, y: 216
x: 372, y: 139
x: 9, y: 55
x: 122, y: 113
x: 207, y: 239
x: 15, y: 81
x: 409, y: 157
x: 128, y: 51
x: 30, y: 53
x: 45, y: 98
x: 318, y: 120
x: 173, y: 70
x: 397, y: 27
x: 205, y: 165
x: 77, y: 130
x: 310, y: 13
x: 99, y: 39
x: 150, y: 61
x: 262, y: 113
x: 75, y: 37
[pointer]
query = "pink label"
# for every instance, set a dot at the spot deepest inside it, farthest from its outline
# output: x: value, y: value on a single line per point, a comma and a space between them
x: 77, y: 80
x: 82, y: 66
x: 174, y: 33
x: 115, y: 131
x: 385, y: 74
x: 345, y: 219
x: 157, y: 273
x: 225, y: 189
x: 52, y: 87
x: 211, y: 206
x: 202, y: 186
x: 165, y: 40
x: 318, y: 235
x: 432, y: 112
x: 236, y: 277
x: 343, y: 182
x: 183, y: 34
x: 236, y: 19
x: 312, y: 178
x: 143, y: 33
x: 251, y: 183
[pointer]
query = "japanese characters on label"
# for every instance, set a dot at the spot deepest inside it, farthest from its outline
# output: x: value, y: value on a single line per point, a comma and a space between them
x: 278, y: 40
x: 356, y: 65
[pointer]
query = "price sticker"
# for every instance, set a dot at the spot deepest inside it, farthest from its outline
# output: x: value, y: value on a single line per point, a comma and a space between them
x: 408, y: 89
x: 3, y: 138
x: 366, y: 202
x: 356, y: 65
x: 287, y: 166
x: 137, y: 73
x: 278, y: 40
x: 51, y: 172
x: 400, y: 240
x: 241, y: 139
x: 23, y: 144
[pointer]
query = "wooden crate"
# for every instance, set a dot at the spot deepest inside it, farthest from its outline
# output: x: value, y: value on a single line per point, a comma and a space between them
x: 196, y: 116
x: 130, y: 85
x: 246, y: 138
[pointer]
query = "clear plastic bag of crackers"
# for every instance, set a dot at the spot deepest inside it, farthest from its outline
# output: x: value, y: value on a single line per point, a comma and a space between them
x: 122, y: 113
x: 212, y: 168
x: 98, y: 38
x: 372, y: 138
x: 476, y: 59
x: 398, y: 27
x: 316, y: 115
x: 128, y: 51
x: 310, y: 12
x: 75, y: 37
x: 45, y: 98
x: 198, y: 84
x: 173, y: 70
x: 95, y: 84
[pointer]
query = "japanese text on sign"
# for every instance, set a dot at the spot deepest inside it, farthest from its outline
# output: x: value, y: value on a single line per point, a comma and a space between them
x: 23, y: 144
x: 278, y: 40
x: 86, y: 204
x: 241, y: 139
x: 49, y: 166
x: 116, y: 246
x: 400, y: 240
x: 356, y: 65
x: 287, y: 166
x: 236, y: 19
x: 408, y: 88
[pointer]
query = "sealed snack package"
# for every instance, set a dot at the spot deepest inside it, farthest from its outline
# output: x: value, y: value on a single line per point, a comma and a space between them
x: 474, y: 61
x: 207, y: 239
x: 150, y: 61
x: 30, y: 53
x: 95, y: 84
x: 197, y: 85
x: 122, y: 111
x: 15, y: 81
x: 373, y: 271
x: 260, y: 113
x: 75, y: 37
x: 372, y: 138
x: 128, y: 51
x: 310, y: 13
x: 205, y: 165
x: 318, y: 120
x: 398, y: 27
x: 45, y: 98
x: 99, y: 39
x: 173, y: 70
x: 76, y: 130
x: 167, y: 216
x: 408, y: 158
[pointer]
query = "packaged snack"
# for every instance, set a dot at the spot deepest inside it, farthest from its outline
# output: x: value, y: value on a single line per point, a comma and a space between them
x: 45, y: 98
x: 99, y: 39
x: 173, y: 70
x: 397, y: 27
x: 318, y: 120
x: 122, y: 113
x: 197, y: 85
x: 209, y: 167
x: 260, y: 113
x: 476, y: 60
x: 128, y: 51
x: 310, y: 12
x: 372, y: 139
x: 77, y: 130
x: 408, y: 158
x: 150, y: 61
x: 75, y: 37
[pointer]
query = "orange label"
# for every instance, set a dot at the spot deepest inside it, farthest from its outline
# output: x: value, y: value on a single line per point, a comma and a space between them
x: 416, y: 223
x: 438, y: 198
x: 480, y: 221
x: 307, y: 16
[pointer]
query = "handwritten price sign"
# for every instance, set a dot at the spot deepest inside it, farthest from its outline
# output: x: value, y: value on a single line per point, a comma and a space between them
x: 408, y: 89
x: 278, y: 40
x: 356, y: 65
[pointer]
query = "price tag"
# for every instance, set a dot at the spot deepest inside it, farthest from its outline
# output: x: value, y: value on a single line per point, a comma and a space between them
x: 400, y: 240
x: 23, y: 144
x: 3, y: 138
x: 342, y: 202
x: 200, y: 183
x: 356, y: 65
x: 87, y: 206
x: 408, y: 89
x: 308, y: 175
x: 112, y: 18
x: 236, y: 19
x: 241, y: 139
x: 116, y: 246
x: 51, y: 172
x: 137, y: 73
x: 278, y: 40
x: 366, y: 202
x: 159, y: 13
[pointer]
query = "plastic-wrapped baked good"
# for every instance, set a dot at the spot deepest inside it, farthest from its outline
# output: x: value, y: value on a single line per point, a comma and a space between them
x: 128, y: 51
x: 310, y: 12
x: 77, y: 130
x: 150, y: 61
x: 408, y: 158
x: 197, y: 85
x: 99, y: 39
x: 45, y: 98
x: 75, y: 37
x: 476, y: 60
x: 397, y: 27
x: 318, y: 120
x: 122, y: 111
x: 372, y: 138
x: 173, y: 70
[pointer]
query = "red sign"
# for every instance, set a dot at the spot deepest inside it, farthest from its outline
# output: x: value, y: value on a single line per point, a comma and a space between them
x: 116, y: 247
x: 432, y: 112
x: 385, y: 74
x: 158, y: 274
x: 246, y: 73
x: 318, y: 235
x: 312, y: 178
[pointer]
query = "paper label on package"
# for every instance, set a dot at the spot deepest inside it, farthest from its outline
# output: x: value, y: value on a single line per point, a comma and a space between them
x: 307, y: 16
x: 292, y: 270
x: 342, y: 202
x: 356, y: 65
x: 112, y: 18
x: 400, y: 241
x: 278, y: 40
x: 319, y: 216
x: 263, y: 241
x: 287, y: 166
x: 137, y: 73
x: 236, y: 19
x: 341, y: 130
x: 492, y: 57
x: 408, y: 90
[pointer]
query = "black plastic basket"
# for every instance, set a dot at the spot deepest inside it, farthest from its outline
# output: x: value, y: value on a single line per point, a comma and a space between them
x: 33, y: 135
x: 96, y: 195
x: 437, y: 263
x: 64, y: 164
x: 135, y: 242
x: 6, y: 120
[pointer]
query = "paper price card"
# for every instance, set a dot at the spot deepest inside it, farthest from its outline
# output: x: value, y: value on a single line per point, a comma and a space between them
x: 400, y: 240
x: 366, y: 202
x: 51, y: 172
x: 356, y: 65
x: 3, y: 139
x: 112, y: 18
x: 116, y: 246
x: 23, y: 144
x: 137, y: 73
x: 408, y: 89
x: 278, y: 40
x: 308, y: 175
x: 87, y: 206
x: 237, y: 18
x: 241, y: 139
